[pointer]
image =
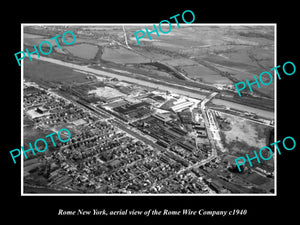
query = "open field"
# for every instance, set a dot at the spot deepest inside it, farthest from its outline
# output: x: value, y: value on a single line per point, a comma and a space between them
x: 151, y: 71
x: 242, y: 51
x: 245, y: 131
x: 41, y: 71
x: 204, y: 74
x: 31, y: 134
x: 85, y: 51
x: 37, y: 41
x: 33, y: 39
x: 202, y: 53
x: 179, y: 61
x: 79, y: 40
x: 122, y: 55
x: 242, y: 137
x: 29, y: 36
x: 256, y: 179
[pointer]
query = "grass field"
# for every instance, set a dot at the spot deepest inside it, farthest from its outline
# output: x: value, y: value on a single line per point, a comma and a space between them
x: 244, y: 135
x: 197, y: 71
x: 179, y: 61
x: 256, y: 179
x: 81, y: 48
x: 85, y: 51
x: 243, y: 51
x: 39, y: 71
x: 122, y: 55
x: 33, y: 39
x: 28, y: 36
x: 79, y: 40
x: 204, y: 74
x: 31, y: 134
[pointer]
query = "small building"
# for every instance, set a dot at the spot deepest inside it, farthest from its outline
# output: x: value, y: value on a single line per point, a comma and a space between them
x: 41, y: 110
x: 201, y: 133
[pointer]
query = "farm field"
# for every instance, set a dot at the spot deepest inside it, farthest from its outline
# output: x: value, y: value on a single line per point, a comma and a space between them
x: 79, y: 40
x: 122, y: 56
x: 179, y: 61
x: 27, y: 36
x: 201, y: 52
x: 242, y: 51
x: 204, y: 74
x: 152, y: 70
x: 37, y: 41
x: 85, y: 51
x: 41, y: 71
x: 33, y: 39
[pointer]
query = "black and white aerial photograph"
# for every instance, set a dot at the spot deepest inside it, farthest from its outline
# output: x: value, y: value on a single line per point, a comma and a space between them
x: 162, y: 117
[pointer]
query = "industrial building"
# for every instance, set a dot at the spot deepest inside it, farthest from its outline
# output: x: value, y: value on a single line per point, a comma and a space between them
x: 162, y: 117
x: 181, y: 106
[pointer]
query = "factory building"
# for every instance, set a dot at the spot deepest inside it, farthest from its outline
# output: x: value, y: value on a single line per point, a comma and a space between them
x: 181, y: 106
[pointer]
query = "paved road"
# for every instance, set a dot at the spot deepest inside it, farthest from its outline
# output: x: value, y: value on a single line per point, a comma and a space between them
x: 207, y: 99
x: 125, y: 36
